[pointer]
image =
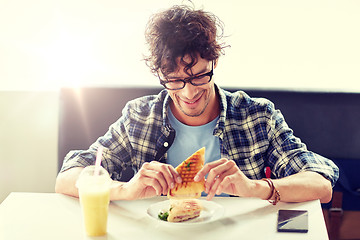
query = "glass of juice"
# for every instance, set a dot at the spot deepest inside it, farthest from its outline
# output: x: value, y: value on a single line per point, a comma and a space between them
x: 94, y: 191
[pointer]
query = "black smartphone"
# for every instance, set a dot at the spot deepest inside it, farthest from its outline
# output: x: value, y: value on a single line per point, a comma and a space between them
x: 293, y: 221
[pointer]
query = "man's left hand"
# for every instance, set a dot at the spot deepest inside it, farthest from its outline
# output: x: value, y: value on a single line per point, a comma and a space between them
x: 224, y: 176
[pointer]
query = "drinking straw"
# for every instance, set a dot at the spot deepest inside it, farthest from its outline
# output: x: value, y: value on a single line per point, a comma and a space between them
x: 98, y: 161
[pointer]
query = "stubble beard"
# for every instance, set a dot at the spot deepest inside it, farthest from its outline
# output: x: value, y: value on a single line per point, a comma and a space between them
x: 207, y: 100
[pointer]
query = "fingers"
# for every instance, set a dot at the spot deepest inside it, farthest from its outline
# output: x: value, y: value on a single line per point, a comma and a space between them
x: 222, y: 169
x: 227, y: 183
x: 221, y: 182
x: 154, y: 179
x: 207, y: 168
x: 163, y: 176
x: 211, y: 193
x: 219, y: 173
x: 151, y: 184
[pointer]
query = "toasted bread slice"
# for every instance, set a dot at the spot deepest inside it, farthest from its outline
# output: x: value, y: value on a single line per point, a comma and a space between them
x: 187, y: 170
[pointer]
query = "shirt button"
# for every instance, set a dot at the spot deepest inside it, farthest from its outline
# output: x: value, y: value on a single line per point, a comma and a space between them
x: 166, y: 144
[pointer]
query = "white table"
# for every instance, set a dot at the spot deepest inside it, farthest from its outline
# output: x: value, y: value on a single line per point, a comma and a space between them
x: 55, y: 216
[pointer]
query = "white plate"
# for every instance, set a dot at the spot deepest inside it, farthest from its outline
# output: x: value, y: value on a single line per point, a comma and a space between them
x: 211, y: 212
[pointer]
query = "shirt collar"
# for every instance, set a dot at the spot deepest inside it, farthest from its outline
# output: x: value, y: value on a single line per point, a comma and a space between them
x: 223, y: 109
x: 166, y: 103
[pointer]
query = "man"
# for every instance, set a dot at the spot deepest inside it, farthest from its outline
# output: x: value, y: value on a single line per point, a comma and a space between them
x: 243, y: 136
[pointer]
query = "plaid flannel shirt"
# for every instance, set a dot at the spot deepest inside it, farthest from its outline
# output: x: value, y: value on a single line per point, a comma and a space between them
x: 251, y: 132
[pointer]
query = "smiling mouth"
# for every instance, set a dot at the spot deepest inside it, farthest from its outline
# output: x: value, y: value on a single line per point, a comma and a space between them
x: 194, y: 101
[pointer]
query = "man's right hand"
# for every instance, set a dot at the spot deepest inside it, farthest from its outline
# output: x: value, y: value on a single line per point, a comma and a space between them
x: 153, y: 179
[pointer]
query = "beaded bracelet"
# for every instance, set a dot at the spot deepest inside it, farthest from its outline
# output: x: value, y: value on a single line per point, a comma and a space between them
x: 273, y: 191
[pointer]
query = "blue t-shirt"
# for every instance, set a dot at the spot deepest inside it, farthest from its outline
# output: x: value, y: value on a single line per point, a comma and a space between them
x: 189, y: 139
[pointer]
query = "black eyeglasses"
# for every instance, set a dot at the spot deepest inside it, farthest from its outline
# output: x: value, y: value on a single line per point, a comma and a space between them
x: 198, y: 80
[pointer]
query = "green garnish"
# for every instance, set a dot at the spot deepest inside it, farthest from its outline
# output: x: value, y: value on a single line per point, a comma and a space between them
x: 163, y: 216
x: 188, y: 165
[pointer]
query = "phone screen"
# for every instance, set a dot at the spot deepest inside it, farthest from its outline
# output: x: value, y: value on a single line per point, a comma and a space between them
x: 292, y: 221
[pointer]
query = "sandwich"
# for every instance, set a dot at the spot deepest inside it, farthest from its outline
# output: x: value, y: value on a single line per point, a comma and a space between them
x: 182, y: 210
x: 188, y: 188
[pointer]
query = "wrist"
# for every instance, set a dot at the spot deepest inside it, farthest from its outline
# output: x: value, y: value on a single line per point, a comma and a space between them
x: 274, y: 196
x: 117, y: 191
x: 260, y: 189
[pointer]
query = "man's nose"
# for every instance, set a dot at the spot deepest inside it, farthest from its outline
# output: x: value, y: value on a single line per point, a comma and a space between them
x: 189, y: 91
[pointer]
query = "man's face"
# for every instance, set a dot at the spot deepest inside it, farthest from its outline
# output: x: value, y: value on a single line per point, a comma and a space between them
x: 191, y: 103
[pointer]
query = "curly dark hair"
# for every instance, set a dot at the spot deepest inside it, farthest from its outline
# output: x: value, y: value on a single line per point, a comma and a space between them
x: 181, y: 31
